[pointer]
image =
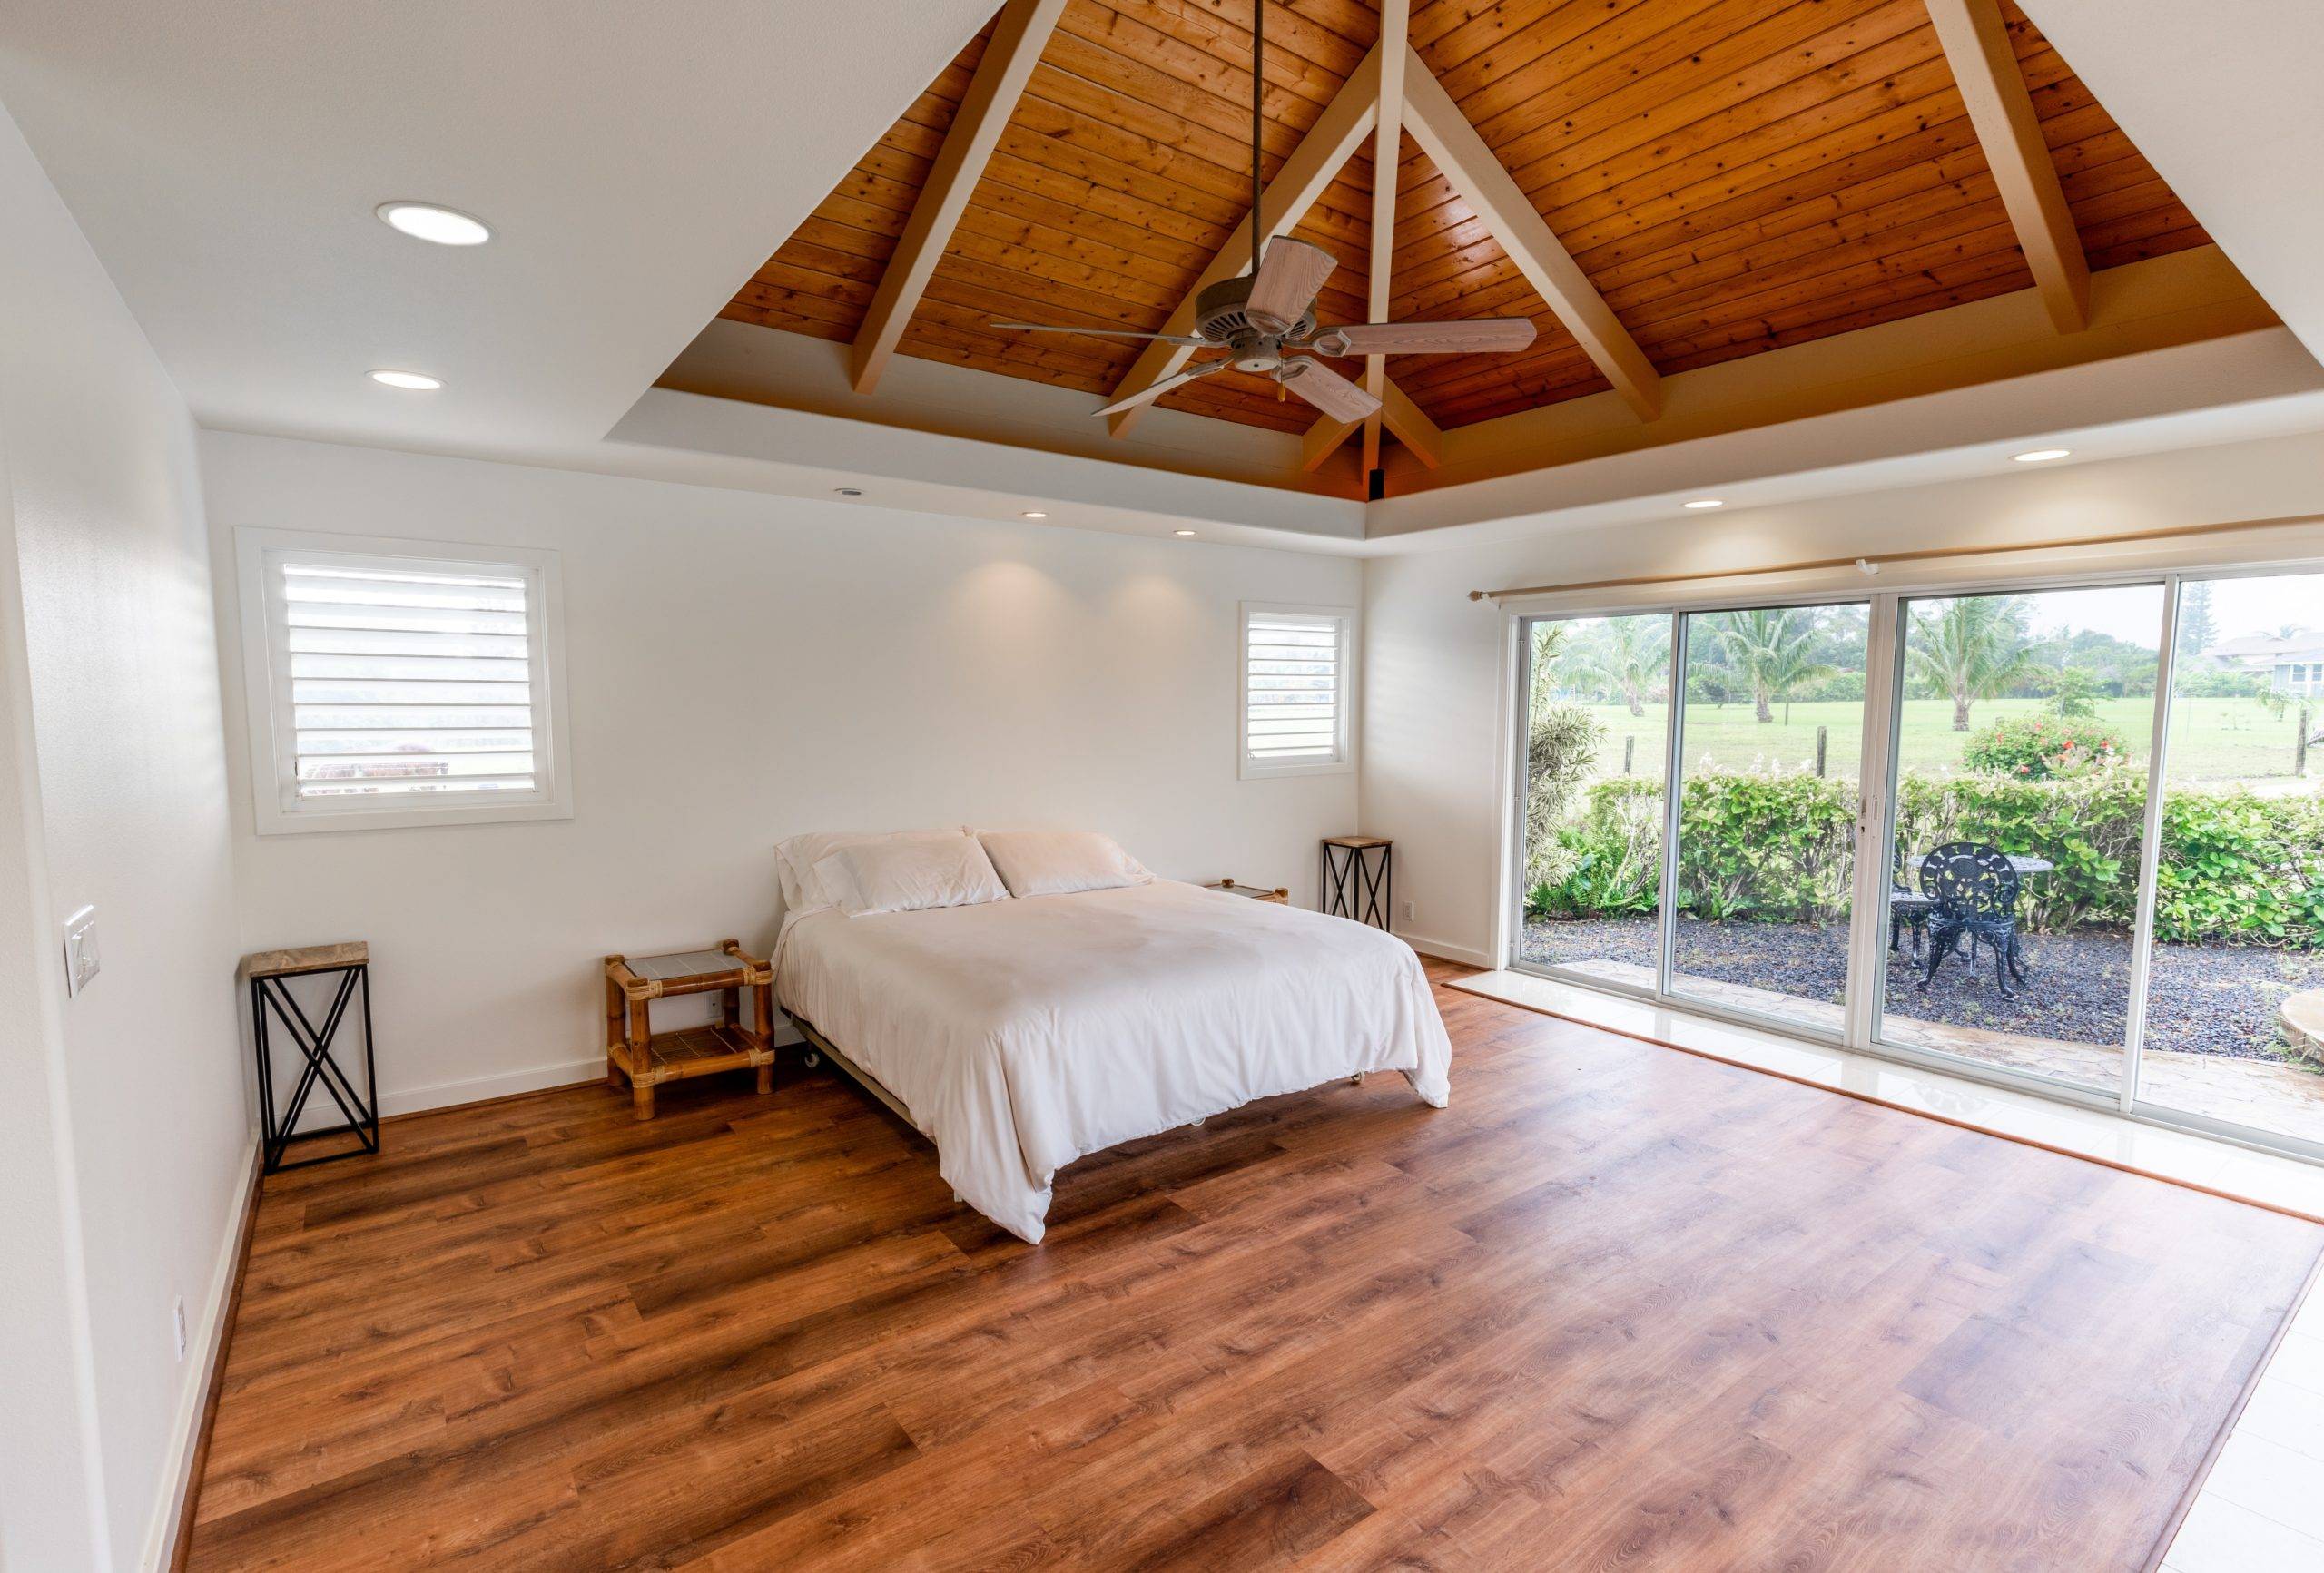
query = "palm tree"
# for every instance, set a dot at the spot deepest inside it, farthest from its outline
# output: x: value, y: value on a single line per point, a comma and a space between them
x: 1774, y: 649
x: 1971, y: 650
x: 1549, y: 641
x: 1630, y: 654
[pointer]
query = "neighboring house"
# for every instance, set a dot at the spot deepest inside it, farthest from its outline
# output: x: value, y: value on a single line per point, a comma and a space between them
x: 2294, y: 661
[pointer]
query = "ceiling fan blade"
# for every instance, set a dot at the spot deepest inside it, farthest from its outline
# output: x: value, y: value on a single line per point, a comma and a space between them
x: 1484, y: 333
x: 1149, y: 394
x: 1289, y: 279
x: 1195, y: 340
x: 1327, y: 390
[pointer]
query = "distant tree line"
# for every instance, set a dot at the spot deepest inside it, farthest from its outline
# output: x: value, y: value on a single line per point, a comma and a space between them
x: 1966, y: 650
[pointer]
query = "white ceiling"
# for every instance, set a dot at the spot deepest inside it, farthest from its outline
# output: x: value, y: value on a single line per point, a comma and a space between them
x: 2226, y: 100
x: 637, y: 160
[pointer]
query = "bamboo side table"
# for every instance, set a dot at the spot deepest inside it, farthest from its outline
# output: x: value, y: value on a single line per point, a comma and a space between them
x: 646, y: 1059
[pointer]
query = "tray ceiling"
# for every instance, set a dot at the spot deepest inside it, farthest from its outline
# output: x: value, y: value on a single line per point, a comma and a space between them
x: 1729, y: 176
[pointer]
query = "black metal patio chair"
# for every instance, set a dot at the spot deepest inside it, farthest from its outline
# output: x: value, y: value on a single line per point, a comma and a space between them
x: 1976, y: 891
x: 1907, y: 908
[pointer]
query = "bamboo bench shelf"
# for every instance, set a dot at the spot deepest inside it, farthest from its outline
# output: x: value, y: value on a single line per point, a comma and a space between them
x: 635, y: 1052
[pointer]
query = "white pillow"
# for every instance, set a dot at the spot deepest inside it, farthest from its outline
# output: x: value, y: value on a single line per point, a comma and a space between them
x: 909, y: 876
x: 796, y: 857
x: 1060, y: 862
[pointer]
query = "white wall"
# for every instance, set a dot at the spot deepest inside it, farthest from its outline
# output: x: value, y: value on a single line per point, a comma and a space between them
x: 1435, y: 703
x: 743, y: 667
x: 124, y: 806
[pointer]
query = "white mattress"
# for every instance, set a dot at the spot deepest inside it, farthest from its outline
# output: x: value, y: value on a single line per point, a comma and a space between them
x: 1023, y: 1034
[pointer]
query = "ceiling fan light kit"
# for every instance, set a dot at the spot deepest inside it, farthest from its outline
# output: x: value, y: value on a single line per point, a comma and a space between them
x: 1266, y: 319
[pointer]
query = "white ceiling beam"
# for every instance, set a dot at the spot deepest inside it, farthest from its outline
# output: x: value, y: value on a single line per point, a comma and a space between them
x: 1401, y: 416
x: 1411, y: 426
x: 1014, y: 49
x: 1405, y: 421
x: 1984, y: 65
x: 1464, y: 160
x: 1322, y: 440
x: 1387, y: 152
x: 1337, y: 132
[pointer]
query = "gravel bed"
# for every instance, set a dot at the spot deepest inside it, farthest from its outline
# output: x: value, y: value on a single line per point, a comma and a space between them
x: 2216, y: 1000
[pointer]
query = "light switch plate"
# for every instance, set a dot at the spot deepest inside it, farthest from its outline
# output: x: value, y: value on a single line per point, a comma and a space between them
x: 80, y: 949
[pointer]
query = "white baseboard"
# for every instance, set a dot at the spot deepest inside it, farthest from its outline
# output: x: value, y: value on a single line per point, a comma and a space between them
x: 1445, y: 950
x: 477, y: 1089
x: 206, y: 1342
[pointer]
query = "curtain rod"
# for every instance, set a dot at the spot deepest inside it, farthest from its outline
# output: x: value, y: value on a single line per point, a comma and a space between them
x: 1871, y: 560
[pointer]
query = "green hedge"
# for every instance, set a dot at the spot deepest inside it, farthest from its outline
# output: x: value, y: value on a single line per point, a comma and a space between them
x: 1774, y: 847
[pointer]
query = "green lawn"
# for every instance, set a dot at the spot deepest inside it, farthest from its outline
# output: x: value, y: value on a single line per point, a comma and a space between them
x: 2214, y: 739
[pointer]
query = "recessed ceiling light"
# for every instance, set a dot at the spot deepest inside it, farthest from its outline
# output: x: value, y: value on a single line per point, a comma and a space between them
x: 1182, y: 532
x: 417, y: 381
x: 1707, y: 502
x: 2041, y: 454
x: 1037, y: 516
x: 426, y: 222
x: 849, y: 491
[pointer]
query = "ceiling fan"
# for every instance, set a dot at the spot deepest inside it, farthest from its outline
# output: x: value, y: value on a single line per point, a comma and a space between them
x: 1266, y: 319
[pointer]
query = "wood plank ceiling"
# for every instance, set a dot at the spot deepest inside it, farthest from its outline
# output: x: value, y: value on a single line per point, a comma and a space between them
x: 1733, y: 176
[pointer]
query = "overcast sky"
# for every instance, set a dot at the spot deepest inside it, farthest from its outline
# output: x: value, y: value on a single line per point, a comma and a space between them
x: 2254, y: 606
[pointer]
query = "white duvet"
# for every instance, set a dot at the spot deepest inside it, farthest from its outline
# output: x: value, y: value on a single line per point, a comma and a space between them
x: 1023, y: 1034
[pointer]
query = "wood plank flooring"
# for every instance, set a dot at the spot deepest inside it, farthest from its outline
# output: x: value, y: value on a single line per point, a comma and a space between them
x: 1617, y: 1307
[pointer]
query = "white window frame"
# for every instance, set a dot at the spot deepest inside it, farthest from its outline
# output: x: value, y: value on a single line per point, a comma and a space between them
x: 1343, y: 760
x: 266, y: 682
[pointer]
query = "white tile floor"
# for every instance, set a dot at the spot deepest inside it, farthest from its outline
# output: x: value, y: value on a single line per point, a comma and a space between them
x: 2261, y: 1510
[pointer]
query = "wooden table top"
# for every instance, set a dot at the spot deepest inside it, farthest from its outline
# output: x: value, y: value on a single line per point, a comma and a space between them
x: 305, y: 959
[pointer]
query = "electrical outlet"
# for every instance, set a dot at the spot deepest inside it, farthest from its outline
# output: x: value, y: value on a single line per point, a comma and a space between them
x: 80, y: 950
x: 1412, y: 911
x: 177, y: 1323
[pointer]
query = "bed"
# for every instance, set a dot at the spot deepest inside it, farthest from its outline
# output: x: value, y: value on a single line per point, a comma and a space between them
x: 1018, y: 1034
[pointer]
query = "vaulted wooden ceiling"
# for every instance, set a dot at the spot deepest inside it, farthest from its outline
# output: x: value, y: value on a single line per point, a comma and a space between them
x: 1729, y: 176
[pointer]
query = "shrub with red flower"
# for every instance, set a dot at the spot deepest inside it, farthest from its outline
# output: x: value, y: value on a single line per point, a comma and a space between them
x: 2040, y: 747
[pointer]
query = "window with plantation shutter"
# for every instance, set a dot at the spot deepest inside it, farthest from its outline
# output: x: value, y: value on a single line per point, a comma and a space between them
x: 1295, y: 690
x: 399, y: 687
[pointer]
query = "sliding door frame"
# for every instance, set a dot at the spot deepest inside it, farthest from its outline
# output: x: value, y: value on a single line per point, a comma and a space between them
x: 2149, y: 849
x: 1674, y: 764
x: 1674, y: 821
x: 2118, y: 1100
x: 1875, y: 831
x: 1512, y: 908
x: 1512, y: 903
x: 1884, y: 684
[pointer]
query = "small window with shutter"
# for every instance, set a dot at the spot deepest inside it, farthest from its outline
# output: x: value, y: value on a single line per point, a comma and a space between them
x: 399, y: 683
x: 1296, y: 694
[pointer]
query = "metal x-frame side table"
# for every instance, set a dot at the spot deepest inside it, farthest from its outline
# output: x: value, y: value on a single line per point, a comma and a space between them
x: 268, y: 972
x: 1355, y: 884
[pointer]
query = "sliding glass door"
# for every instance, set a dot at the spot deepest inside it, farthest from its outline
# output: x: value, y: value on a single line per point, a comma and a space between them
x: 2069, y: 837
x: 1770, y: 731
x: 1596, y: 717
x: 2234, y: 1017
x: 2019, y: 749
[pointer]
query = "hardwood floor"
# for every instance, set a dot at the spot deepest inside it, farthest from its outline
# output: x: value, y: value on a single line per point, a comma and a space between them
x: 1617, y: 1307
